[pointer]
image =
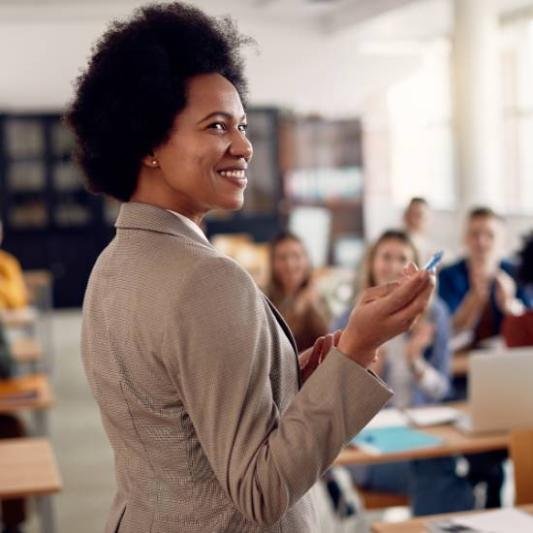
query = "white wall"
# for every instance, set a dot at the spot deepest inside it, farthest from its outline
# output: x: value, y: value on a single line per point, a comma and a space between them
x: 295, y: 65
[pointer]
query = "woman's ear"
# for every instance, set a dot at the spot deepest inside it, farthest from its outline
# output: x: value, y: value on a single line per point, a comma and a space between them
x: 150, y: 160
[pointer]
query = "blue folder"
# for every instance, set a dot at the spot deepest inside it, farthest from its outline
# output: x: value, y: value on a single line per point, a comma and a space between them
x: 394, y: 439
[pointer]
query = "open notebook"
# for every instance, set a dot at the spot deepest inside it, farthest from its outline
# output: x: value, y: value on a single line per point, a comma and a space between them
x: 393, y: 439
x: 389, y: 430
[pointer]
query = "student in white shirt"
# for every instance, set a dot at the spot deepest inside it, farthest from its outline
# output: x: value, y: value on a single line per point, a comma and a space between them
x: 416, y: 366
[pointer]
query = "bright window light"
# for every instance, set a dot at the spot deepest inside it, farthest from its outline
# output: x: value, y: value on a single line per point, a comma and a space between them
x: 419, y: 108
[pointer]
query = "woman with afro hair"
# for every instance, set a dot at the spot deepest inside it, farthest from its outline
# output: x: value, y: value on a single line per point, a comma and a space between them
x: 200, y: 388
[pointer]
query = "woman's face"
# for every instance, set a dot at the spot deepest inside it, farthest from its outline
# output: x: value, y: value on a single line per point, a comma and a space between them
x: 290, y: 264
x: 390, y: 259
x: 203, y: 163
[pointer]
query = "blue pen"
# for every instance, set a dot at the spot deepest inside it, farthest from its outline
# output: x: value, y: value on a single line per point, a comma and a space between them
x: 436, y: 258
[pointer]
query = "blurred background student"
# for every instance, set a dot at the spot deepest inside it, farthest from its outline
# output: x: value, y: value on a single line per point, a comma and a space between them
x: 292, y: 292
x: 517, y: 330
x: 416, y: 367
x: 13, y: 293
x: 480, y: 289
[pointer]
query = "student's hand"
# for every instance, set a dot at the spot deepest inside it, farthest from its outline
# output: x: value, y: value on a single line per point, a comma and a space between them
x: 384, y: 312
x: 309, y: 359
x: 505, y: 290
x: 421, y: 338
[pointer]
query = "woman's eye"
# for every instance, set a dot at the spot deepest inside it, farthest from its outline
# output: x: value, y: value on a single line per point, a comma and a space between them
x: 217, y: 126
x: 243, y: 127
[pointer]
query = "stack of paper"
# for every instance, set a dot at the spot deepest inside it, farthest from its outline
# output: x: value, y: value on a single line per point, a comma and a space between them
x: 432, y: 416
x: 389, y: 417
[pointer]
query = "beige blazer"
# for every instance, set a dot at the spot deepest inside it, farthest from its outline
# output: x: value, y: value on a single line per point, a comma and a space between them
x: 197, y: 381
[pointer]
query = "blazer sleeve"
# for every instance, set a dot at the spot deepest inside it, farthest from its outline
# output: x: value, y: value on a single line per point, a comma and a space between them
x: 218, y: 349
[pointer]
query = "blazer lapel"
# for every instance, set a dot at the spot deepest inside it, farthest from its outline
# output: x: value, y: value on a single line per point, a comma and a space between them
x: 282, y: 323
x: 288, y: 333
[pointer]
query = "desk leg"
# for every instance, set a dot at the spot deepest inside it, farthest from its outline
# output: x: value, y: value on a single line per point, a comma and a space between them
x: 40, y: 420
x: 45, y: 508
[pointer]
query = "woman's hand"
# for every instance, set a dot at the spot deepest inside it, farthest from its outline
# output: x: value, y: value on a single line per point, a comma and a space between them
x: 309, y: 359
x: 384, y: 312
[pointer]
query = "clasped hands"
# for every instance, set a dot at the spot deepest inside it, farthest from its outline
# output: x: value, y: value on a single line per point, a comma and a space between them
x: 483, y: 276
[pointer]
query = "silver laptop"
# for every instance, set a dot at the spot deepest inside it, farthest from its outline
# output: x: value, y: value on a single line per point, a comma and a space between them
x: 500, y: 391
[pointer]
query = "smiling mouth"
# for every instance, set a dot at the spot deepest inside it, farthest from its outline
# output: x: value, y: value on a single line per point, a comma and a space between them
x: 239, y: 174
x: 237, y: 177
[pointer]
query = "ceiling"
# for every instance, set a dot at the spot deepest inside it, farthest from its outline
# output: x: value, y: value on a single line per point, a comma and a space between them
x: 377, y: 19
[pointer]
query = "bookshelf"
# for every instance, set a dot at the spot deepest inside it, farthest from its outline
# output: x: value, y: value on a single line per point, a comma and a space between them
x: 322, y: 164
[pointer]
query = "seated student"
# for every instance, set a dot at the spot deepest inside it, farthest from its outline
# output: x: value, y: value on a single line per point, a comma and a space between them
x: 480, y: 289
x: 13, y: 511
x: 291, y: 291
x: 517, y: 330
x: 415, y: 366
x: 13, y: 294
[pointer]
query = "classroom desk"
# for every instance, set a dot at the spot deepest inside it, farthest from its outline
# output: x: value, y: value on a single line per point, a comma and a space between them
x: 28, y: 393
x: 28, y: 468
x: 454, y: 443
x: 419, y: 525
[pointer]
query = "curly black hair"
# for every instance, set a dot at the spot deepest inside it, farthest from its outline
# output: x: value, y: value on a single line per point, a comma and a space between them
x: 127, y: 99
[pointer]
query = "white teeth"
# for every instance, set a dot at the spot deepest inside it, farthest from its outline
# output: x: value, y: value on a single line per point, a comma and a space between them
x: 232, y: 173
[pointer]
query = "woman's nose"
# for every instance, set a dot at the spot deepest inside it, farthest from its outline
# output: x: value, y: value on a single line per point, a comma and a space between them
x: 241, y: 147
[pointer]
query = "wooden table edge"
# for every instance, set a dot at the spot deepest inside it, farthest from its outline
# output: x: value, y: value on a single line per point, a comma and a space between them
x: 54, y: 488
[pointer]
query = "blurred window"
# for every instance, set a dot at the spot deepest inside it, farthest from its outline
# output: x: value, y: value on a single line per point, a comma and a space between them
x: 517, y: 93
x: 421, y: 142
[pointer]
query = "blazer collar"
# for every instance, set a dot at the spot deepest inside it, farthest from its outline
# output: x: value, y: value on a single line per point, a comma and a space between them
x: 148, y: 217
